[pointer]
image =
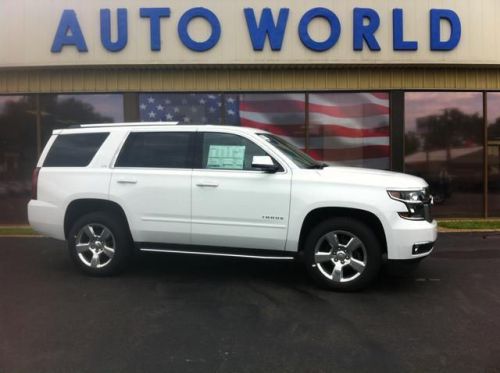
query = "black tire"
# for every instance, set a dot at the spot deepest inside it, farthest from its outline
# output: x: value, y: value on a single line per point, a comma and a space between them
x: 369, y: 252
x: 121, y: 238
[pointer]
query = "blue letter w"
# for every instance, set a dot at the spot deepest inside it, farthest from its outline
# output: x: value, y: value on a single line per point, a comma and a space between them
x: 266, y: 27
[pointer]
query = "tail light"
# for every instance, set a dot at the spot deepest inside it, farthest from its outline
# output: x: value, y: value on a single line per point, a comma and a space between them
x: 34, y: 183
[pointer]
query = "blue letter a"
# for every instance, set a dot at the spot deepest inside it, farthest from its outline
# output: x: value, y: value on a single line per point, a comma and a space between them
x: 69, y: 33
x: 266, y: 27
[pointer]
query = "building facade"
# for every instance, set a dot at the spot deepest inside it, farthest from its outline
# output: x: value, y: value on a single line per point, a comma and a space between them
x: 398, y: 85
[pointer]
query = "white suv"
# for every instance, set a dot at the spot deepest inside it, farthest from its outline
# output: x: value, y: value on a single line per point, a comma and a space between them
x: 219, y: 190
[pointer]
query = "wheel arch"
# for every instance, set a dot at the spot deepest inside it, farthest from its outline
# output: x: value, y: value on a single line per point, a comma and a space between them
x: 80, y: 207
x: 320, y: 214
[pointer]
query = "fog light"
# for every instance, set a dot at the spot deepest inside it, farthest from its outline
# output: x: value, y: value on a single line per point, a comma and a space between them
x: 422, y: 248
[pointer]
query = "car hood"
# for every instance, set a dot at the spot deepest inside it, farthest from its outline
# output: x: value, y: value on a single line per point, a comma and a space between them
x: 366, y: 176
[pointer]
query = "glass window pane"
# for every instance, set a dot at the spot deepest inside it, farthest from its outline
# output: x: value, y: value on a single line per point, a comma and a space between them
x: 279, y: 113
x: 444, y: 145
x: 76, y: 150
x: 350, y: 129
x: 297, y: 156
x: 62, y: 111
x: 494, y: 154
x: 157, y: 150
x: 185, y: 108
x: 18, y: 156
x: 228, y: 152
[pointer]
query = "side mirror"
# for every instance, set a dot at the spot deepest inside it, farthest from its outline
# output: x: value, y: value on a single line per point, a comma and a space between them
x: 264, y: 163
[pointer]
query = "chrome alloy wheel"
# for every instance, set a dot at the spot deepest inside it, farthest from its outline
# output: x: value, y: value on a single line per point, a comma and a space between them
x: 340, y: 256
x: 95, y: 245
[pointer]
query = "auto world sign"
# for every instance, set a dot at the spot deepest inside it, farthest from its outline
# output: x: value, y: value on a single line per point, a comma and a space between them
x: 231, y: 32
x: 262, y: 25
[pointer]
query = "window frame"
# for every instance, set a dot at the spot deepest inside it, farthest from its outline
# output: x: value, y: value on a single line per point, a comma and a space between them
x: 121, y: 149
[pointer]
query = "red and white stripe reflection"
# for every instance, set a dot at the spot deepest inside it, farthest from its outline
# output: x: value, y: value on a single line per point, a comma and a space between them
x: 344, y: 128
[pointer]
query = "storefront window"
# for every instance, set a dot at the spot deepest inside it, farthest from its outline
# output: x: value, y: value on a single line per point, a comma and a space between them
x: 280, y: 113
x: 18, y: 155
x: 61, y: 111
x: 444, y: 145
x: 494, y: 154
x: 185, y: 108
x: 350, y: 129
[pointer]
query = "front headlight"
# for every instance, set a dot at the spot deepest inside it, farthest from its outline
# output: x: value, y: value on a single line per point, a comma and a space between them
x: 417, y: 203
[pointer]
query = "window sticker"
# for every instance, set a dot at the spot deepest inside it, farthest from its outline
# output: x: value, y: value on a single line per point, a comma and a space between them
x: 226, y: 157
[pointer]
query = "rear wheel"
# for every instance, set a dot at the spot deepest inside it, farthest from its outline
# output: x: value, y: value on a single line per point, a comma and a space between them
x: 342, y: 254
x: 99, y: 244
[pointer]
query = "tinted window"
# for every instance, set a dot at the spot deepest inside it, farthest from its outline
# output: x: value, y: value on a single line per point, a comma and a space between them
x: 74, y: 150
x: 300, y: 158
x: 350, y: 129
x: 283, y: 113
x: 493, y: 154
x: 228, y: 152
x: 157, y: 150
x: 62, y: 111
x: 18, y: 155
x: 444, y: 144
x: 185, y: 108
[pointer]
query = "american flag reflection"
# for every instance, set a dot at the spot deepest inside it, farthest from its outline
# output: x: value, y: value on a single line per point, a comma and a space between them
x: 344, y: 128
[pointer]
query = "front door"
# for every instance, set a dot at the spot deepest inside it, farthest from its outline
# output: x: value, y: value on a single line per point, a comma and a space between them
x: 233, y: 204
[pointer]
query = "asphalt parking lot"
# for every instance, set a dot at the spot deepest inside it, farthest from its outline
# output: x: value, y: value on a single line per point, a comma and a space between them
x: 173, y: 313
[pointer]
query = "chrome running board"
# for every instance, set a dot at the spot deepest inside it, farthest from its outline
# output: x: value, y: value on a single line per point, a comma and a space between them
x: 232, y: 255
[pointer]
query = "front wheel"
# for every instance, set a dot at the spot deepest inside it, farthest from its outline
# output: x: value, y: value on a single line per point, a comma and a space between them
x: 342, y: 254
x: 99, y: 244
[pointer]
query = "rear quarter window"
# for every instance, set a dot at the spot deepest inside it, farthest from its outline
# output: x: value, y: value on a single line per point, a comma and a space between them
x: 75, y: 150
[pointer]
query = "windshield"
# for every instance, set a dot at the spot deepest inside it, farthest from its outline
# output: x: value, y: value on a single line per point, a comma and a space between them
x: 298, y: 157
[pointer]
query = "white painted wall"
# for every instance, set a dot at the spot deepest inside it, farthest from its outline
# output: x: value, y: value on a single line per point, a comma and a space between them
x: 27, y: 29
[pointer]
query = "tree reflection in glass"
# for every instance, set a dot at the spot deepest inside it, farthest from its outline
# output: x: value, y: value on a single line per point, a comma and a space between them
x: 26, y: 124
x: 444, y: 145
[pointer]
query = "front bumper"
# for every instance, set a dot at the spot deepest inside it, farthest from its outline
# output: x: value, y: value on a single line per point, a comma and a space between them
x: 411, y: 239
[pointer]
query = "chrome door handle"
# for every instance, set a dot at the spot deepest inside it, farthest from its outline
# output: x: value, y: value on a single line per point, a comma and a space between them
x: 207, y: 185
x: 126, y: 181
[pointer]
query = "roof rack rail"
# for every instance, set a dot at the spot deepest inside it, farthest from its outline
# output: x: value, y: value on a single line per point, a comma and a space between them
x: 129, y: 124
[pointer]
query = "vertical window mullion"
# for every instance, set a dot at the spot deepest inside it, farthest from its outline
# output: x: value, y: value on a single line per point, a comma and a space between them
x: 306, y: 139
x: 485, y: 154
x: 397, y: 130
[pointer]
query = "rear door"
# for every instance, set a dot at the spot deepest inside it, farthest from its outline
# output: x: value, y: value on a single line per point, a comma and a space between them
x: 152, y: 181
x: 235, y: 205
